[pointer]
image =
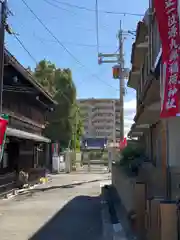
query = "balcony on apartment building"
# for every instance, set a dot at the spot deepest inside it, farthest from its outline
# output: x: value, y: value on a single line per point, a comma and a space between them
x: 102, y: 116
x: 103, y: 109
x: 104, y: 104
x: 104, y: 134
x: 117, y: 115
x: 103, y: 122
x: 145, y: 74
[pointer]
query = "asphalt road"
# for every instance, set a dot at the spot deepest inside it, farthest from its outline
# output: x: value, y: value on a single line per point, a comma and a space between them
x: 67, y: 208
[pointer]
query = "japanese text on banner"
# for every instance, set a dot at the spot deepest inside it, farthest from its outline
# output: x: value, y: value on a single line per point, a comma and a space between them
x: 168, y: 22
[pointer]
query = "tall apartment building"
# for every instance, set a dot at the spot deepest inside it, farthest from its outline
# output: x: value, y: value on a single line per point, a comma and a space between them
x: 100, y: 117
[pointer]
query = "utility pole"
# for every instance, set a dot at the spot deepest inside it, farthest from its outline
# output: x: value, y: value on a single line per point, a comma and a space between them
x: 2, y: 35
x: 114, y: 122
x: 123, y: 72
x: 75, y: 136
x: 121, y: 82
x: 75, y: 131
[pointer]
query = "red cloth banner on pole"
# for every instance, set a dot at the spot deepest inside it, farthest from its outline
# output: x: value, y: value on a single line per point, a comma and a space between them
x: 122, y: 144
x: 3, y: 126
x: 168, y: 22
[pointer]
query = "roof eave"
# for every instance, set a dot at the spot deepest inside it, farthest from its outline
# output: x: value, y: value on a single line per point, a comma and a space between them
x: 28, y: 76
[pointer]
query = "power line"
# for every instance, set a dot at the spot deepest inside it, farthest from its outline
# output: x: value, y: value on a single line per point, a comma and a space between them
x: 31, y: 56
x: 60, y: 8
x: 62, y: 45
x: 62, y: 93
x: 23, y: 46
x: 83, y: 8
x: 74, y: 26
x: 101, y: 11
x: 43, y: 40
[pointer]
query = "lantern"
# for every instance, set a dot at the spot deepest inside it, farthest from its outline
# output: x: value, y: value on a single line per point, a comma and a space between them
x: 116, y: 71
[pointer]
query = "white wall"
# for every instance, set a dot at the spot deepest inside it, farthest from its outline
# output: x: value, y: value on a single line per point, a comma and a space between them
x: 174, y: 141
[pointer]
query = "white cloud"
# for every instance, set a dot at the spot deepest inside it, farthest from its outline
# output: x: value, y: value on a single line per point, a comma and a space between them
x: 130, y: 104
x: 129, y: 113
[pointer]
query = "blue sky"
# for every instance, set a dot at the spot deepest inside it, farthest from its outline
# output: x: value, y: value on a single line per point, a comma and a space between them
x: 75, y: 28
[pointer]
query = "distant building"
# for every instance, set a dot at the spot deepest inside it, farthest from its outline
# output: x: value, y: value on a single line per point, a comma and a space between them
x: 100, y: 117
x: 94, y: 143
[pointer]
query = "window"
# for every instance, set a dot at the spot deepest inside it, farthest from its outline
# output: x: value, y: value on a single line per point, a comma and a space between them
x: 156, y: 42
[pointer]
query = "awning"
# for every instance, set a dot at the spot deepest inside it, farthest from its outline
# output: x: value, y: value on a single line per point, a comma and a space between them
x: 143, y: 128
x: 137, y: 54
x: 148, y: 114
x: 152, y: 92
x: 12, y: 132
x: 134, y: 77
x: 135, y: 134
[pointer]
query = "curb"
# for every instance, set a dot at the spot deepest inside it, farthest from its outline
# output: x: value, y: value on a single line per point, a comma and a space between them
x: 112, y: 228
x: 106, y: 224
x: 14, y: 192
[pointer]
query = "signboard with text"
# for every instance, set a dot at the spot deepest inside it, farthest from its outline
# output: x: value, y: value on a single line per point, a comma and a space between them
x: 168, y: 23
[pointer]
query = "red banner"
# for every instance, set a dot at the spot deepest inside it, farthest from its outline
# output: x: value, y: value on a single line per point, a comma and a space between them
x: 122, y: 144
x: 3, y: 126
x: 168, y: 22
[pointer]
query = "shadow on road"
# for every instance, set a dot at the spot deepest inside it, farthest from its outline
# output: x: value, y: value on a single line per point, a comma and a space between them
x: 80, y: 219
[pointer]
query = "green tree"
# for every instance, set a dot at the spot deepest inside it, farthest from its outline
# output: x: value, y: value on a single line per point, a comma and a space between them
x: 45, y: 73
x: 66, y: 116
x: 77, y: 129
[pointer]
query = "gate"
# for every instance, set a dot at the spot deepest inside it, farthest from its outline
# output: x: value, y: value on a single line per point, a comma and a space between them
x: 94, y: 161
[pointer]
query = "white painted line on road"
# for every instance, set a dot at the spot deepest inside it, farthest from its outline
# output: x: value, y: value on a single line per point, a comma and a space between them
x: 117, y: 227
x: 119, y: 238
x: 103, y: 183
x: 118, y: 232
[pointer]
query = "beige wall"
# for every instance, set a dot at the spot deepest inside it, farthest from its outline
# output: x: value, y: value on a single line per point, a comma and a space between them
x: 156, y: 141
x: 170, y: 157
x: 124, y: 187
x: 174, y: 141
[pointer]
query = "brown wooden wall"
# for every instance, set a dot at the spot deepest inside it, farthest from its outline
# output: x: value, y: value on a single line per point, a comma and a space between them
x: 22, y: 105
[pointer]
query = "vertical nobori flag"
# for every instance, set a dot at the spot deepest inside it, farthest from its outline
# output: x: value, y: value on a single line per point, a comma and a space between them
x: 3, y: 127
x: 168, y: 23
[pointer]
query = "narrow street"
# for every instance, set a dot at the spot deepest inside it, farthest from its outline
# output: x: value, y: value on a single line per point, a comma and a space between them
x: 66, y: 208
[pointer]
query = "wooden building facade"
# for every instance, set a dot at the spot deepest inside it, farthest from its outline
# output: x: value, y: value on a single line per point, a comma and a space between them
x: 27, y: 105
